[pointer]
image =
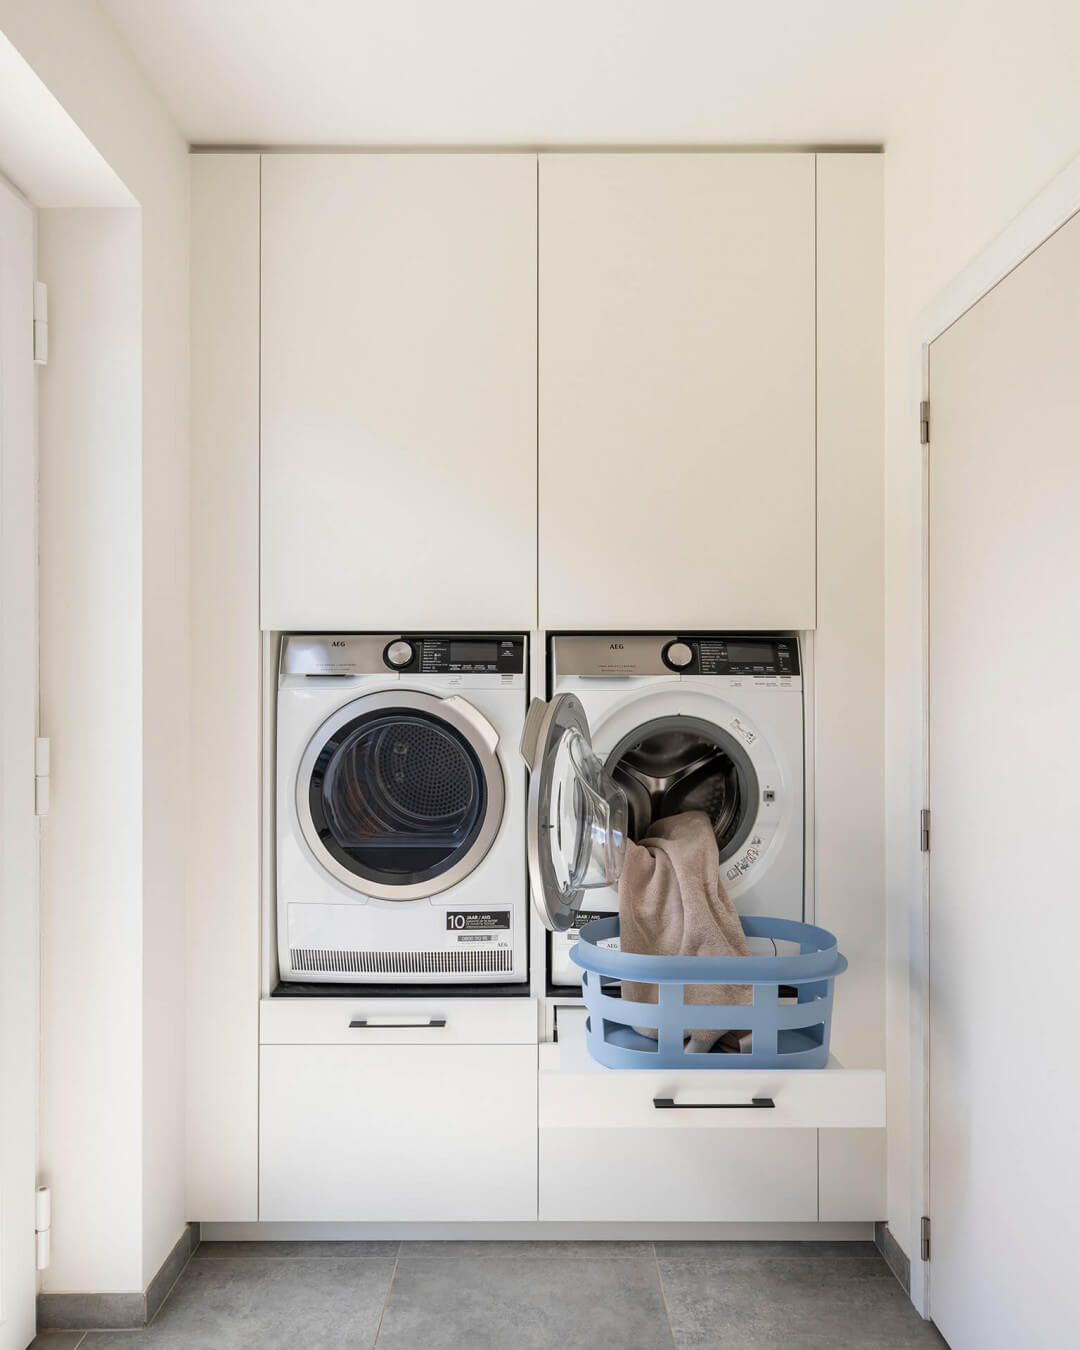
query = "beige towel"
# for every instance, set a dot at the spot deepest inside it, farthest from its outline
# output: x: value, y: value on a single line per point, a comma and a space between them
x: 672, y: 902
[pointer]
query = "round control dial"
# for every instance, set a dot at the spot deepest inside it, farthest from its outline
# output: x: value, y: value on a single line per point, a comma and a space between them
x: 678, y: 655
x: 399, y: 654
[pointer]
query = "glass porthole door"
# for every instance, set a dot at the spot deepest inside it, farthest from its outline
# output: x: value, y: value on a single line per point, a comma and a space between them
x: 576, y: 826
x: 400, y: 795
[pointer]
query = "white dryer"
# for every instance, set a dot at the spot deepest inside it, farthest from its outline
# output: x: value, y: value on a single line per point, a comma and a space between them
x: 400, y: 809
x: 710, y: 722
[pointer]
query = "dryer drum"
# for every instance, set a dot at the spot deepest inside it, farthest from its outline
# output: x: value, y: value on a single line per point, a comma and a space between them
x: 396, y: 783
x: 424, y: 773
x: 675, y: 764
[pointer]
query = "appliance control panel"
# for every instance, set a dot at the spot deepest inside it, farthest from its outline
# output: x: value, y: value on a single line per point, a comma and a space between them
x: 466, y: 655
x: 614, y: 656
x: 352, y: 654
x: 744, y: 656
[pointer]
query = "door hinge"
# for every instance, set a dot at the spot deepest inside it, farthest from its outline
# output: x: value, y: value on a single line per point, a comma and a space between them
x: 924, y: 1238
x: 42, y: 1226
x: 41, y: 776
x: 924, y: 831
x: 41, y: 324
x: 924, y: 422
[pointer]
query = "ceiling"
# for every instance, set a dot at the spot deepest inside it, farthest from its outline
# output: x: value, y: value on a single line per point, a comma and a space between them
x: 525, y: 72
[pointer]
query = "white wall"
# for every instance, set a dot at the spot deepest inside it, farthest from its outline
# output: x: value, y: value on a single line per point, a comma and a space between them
x: 991, y: 117
x: 43, y: 150
x: 77, y: 55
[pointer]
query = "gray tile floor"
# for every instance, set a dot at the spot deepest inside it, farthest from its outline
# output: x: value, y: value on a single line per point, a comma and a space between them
x: 527, y: 1296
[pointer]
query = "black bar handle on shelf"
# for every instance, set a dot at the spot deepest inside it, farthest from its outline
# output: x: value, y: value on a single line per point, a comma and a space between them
x: 378, y: 1023
x: 754, y: 1104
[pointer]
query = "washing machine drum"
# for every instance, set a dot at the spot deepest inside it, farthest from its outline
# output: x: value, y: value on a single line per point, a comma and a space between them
x: 400, y: 796
x: 674, y: 764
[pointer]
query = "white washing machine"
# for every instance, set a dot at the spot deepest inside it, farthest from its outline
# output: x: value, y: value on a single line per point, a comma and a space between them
x: 642, y: 727
x: 400, y: 809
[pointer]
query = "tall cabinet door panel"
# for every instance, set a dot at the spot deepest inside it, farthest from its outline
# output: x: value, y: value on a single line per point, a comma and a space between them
x: 676, y: 360
x: 398, y: 391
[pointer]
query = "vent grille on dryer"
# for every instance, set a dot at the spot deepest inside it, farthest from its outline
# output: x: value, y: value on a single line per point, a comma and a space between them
x: 322, y: 961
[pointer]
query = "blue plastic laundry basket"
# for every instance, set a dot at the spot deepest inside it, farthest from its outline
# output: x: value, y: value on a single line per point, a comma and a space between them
x: 786, y: 1034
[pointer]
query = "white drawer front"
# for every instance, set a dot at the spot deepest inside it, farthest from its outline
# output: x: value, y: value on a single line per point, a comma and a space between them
x: 389, y: 1134
x: 741, y: 1176
x: 411, y: 1021
x: 578, y: 1093
x: 833, y: 1098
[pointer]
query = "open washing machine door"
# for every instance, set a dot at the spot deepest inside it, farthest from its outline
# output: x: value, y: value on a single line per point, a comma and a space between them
x: 576, y: 821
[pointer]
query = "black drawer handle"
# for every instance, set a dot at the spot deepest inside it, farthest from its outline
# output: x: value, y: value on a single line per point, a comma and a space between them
x: 377, y: 1024
x: 754, y: 1104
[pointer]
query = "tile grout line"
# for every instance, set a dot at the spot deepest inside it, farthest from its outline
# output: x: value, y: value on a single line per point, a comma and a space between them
x: 386, y: 1300
x: 663, y: 1294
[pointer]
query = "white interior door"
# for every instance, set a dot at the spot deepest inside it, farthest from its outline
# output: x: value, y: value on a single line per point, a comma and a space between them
x: 1004, y: 644
x: 18, y: 824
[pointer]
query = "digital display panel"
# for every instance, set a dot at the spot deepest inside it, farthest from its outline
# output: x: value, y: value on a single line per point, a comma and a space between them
x: 750, y: 654
x: 473, y: 653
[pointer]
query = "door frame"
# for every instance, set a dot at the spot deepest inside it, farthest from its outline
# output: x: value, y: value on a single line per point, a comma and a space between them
x: 21, y: 876
x: 1043, y: 216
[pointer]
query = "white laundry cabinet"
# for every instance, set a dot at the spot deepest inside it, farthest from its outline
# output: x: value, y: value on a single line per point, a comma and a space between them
x: 676, y: 385
x: 368, y: 1114
x: 395, y: 1111
x: 392, y: 479
x: 406, y: 301
x: 398, y: 444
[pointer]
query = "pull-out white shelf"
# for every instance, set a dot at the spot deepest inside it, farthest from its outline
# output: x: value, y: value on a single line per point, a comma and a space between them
x: 691, y: 1144
x: 576, y: 1092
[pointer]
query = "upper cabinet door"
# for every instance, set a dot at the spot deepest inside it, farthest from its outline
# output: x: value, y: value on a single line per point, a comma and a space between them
x: 676, y: 359
x: 398, y: 391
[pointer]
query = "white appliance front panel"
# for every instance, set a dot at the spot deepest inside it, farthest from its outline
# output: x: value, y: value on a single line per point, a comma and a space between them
x: 766, y: 875
x: 347, y: 937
